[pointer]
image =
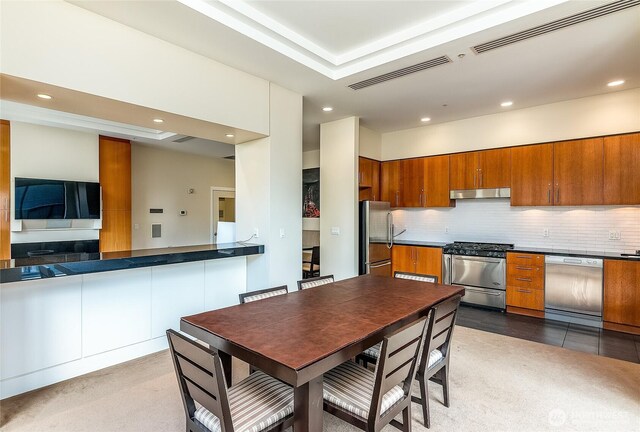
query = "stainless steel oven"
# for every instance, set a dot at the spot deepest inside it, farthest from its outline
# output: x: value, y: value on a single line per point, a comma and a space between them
x: 481, y: 269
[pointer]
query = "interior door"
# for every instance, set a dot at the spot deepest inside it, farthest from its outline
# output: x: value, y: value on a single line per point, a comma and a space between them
x: 223, y: 209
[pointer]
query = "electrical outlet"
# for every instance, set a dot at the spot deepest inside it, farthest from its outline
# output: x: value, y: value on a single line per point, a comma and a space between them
x: 446, y: 230
x: 545, y: 232
x: 614, y: 235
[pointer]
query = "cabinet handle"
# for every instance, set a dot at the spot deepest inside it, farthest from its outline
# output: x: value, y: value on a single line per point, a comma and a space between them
x: 475, y: 179
x: 524, y: 279
x: 396, y: 198
x: 524, y: 291
x: 523, y: 257
x: 524, y: 268
x: 481, y: 182
x: 549, y: 195
x: 360, y: 177
x: 557, y: 194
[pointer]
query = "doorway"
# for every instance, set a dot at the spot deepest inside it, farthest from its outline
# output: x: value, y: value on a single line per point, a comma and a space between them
x: 223, y: 209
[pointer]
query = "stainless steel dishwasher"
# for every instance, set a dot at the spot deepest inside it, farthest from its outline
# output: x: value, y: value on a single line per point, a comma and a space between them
x: 573, y: 289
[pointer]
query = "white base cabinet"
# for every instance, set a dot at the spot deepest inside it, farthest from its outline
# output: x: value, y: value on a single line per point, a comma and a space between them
x: 56, y: 329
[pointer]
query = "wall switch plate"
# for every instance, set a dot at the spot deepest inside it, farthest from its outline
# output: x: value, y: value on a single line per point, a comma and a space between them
x: 335, y: 231
x: 136, y: 226
x: 281, y: 232
x: 545, y: 232
x: 446, y: 230
x: 156, y: 230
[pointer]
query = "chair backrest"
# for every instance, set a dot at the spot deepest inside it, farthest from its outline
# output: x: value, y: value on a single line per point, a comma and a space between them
x: 200, y: 377
x: 314, y: 282
x: 315, y: 255
x: 263, y: 294
x: 440, y: 330
x: 398, y: 362
x: 416, y: 276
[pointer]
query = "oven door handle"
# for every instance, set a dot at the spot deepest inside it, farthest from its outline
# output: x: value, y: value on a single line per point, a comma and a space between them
x: 484, y: 291
x: 487, y: 260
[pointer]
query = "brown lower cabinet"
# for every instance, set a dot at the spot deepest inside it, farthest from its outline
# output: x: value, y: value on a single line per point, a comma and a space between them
x: 417, y: 259
x: 525, y: 284
x: 622, y: 296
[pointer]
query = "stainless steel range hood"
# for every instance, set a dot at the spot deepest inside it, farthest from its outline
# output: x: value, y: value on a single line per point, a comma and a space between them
x: 480, y: 193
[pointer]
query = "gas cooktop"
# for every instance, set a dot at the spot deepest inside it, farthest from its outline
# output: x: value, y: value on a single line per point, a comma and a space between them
x: 496, y: 250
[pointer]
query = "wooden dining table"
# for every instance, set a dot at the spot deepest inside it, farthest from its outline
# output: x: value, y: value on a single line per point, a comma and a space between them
x: 299, y: 336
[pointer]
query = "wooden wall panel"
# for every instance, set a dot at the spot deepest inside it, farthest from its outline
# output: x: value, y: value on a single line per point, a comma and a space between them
x: 5, y: 190
x: 115, y: 179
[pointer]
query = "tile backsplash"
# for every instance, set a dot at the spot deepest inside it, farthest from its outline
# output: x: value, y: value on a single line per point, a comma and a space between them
x: 494, y: 220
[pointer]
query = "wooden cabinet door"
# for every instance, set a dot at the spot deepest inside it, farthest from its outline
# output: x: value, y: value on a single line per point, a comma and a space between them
x: 578, y: 172
x: 532, y: 175
x: 403, y: 259
x: 115, y: 173
x: 412, y: 175
x: 364, y: 172
x: 375, y: 180
x: 390, y: 183
x: 525, y: 298
x: 622, y: 292
x: 495, y: 168
x: 429, y: 261
x: 622, y: 169
x: 5, y: 190
x: 436, y: 182
x: 463, y: 171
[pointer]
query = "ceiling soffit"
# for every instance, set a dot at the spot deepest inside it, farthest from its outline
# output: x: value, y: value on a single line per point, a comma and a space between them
x: 471, y: 17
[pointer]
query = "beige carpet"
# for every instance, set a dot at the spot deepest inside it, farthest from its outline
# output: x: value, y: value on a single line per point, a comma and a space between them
x: 498, y: 384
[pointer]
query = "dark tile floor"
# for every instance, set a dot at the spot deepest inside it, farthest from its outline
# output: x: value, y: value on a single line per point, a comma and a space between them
x: 577, y: 337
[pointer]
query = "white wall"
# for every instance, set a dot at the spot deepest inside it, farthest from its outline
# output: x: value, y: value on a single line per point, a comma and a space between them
x: 339, y: 197
x: 160, y: 179
x: 576, y: 228
x: 57, y: 43
x: 370, y: 144
x: 52, y: 153
x: 268, y: 194
x: 609, y: 113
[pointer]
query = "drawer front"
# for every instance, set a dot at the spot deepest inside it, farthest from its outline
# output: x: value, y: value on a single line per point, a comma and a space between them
x: 525, y: 276
x: 525, y: 298
x: 525, y: 259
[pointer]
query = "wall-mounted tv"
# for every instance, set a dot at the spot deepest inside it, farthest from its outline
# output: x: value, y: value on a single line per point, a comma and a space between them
x: 56, y: 199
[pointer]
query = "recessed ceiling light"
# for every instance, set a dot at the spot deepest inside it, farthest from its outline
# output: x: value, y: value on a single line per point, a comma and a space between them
x: 44, y: 96
x: 506, y: 104
x: 425, y: 119
x: 615, y: 83
x: 229, y: 135
x: 327, y: 109
x: 158, y: 120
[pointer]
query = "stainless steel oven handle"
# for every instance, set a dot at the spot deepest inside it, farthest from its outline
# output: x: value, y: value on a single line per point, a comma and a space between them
x: 479, y: 259
x: 484, y: 292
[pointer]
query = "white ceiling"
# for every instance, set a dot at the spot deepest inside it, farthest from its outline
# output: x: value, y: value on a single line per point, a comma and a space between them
x: 317, y: 48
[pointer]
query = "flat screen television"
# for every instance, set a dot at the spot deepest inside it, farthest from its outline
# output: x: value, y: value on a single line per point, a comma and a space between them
x: 56, y: 199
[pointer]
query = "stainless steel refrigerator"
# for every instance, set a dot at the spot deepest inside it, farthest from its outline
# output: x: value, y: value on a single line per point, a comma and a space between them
x: 376, y: 238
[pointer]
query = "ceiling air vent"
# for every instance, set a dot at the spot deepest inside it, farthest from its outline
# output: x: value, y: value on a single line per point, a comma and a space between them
x: 184, y: 139
x: 401, y: 72
x: 556, y: 25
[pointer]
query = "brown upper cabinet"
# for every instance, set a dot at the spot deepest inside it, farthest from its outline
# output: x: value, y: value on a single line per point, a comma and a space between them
x: 5, y: 191
x: 486, y: 169
x: 622, y: 169
x: 412, y: 174
x: 391, y: 183
x: 436, y: 182
x: 578, y: 172
x: 532, y: 175
x: 369, y: 179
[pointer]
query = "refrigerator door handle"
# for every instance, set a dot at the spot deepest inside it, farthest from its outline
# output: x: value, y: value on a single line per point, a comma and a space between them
x: 390, y: 230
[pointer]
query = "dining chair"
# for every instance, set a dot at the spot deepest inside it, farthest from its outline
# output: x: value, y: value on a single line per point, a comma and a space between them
x: 262, y: 294
x: 312, y: 268
x: 416, y: 276
x: 371, y: 400
x: 314, y: 282
x: 257, y: 403
x: 434, y: 364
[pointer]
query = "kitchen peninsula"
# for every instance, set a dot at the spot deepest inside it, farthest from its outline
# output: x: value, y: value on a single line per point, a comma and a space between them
x: 64, y: 319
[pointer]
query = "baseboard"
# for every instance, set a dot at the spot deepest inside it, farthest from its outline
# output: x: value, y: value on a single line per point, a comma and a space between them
x: 621, y: 327
x: 523, y: 311
x: 44, y: 377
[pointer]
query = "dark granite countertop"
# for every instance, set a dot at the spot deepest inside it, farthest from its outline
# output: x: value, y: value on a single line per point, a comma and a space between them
x: 47, y: 266
x: 537, y: 250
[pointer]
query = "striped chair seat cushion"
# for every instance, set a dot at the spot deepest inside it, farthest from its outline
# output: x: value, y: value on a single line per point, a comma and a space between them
x: 434, y: 356
x: 350, y: 387
x: 257, y: 402
x: 265, y: 295
x: 315, y: 283
x: 415, y: 277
